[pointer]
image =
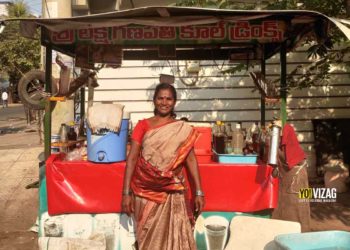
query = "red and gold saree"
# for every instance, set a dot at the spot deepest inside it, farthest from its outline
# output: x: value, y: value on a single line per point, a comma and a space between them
x: 161, y: 213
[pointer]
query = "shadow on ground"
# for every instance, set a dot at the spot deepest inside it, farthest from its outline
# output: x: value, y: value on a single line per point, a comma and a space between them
x: 333, y: 215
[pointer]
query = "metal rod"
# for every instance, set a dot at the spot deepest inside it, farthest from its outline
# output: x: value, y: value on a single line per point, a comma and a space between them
x: 47, y: 117
x: 82, y: 103
x: 262, y: 100
x: 283, y: 90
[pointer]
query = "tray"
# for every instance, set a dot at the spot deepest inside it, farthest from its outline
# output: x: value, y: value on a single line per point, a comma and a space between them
x: 323, y: 240
x: 237, y: 158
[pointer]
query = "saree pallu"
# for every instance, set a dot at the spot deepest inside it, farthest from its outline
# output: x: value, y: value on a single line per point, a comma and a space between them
x: 289, y: 205
x: 161, y: 212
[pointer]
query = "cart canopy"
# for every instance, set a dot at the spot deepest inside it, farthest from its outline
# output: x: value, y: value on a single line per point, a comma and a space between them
x: 181, y: 33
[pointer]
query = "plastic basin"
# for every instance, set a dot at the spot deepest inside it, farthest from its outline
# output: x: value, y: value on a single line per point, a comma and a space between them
x: 324, y: 240
x: 232, y: 158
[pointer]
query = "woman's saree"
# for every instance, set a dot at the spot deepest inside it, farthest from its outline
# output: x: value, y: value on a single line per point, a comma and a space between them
x: 161, y: 213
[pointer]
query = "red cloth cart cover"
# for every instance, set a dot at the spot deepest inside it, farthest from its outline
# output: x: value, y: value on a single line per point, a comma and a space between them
x: 86, y: 187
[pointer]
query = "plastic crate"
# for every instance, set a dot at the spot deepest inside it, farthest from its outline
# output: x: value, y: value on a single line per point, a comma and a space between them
x: 203, y: 142
x: 203, y: 156
x: 324, y: 240
x: 237, y: 158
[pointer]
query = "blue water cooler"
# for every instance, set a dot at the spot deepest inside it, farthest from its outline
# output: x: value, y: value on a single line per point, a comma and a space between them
x: 108, y: 147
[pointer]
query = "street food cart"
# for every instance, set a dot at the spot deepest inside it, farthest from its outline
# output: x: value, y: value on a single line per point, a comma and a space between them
x: 167, y: 33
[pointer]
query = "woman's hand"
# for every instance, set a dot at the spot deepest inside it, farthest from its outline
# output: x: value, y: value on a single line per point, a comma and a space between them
x: 128, y: 204
x: 199, y: 203
x: 128, y: 199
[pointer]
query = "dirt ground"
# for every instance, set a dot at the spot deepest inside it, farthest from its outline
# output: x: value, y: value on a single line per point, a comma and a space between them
x: 331, y: 216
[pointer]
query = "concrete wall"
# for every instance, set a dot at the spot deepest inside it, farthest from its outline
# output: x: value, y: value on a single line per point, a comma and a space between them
x: 228, y: 98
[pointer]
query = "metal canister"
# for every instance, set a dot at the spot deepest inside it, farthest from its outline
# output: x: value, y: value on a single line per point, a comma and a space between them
x: 54, y: 139
x: 274, y: 144
x: 64, y: 137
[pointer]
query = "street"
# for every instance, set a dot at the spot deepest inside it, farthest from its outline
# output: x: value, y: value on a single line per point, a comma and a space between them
x: 19, y: 158
x: 12, y: 112
x: 14, y: 131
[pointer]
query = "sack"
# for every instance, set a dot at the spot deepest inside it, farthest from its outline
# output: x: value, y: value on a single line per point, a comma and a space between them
x: 95, y: 242
x: 127, y: 237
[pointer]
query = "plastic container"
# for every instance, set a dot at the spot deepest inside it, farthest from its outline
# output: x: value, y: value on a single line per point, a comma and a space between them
x: 235, y: 158
x: 54, y: 139
x: 237, y: 139
x: 203, y: 141
x: 203, y: 156
x: 324, y: 240
x: 63, y: 137
x: 202, y: 146
x: 110, y: 147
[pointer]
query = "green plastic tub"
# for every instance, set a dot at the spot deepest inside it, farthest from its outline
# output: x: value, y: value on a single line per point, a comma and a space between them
x: 323, y: 240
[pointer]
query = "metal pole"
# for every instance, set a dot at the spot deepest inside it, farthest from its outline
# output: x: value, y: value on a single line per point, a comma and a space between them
x: 47, y: 117
x: 283, y: 90
x: 82, y: 104
x: 262, y: 99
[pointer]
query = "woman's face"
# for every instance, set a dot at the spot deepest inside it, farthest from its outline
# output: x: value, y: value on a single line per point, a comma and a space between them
x: 164, y: 102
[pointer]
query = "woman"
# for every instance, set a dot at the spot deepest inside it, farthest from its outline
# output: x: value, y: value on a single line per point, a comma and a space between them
x: 154, y: 186
x: 293, y: 176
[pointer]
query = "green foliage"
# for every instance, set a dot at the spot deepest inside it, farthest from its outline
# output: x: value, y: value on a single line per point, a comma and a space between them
x: 18, y: 9
x: 333, y: 8
x: 18, y: 55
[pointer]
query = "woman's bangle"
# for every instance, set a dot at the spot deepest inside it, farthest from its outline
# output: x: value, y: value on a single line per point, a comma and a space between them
x: 126, y: 192
x: 199, y: 193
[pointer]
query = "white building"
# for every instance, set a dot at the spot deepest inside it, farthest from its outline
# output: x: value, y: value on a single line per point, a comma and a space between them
x: 3, y: 8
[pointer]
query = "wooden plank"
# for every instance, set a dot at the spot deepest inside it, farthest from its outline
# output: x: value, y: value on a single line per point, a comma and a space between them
x: 182, y: 94
x: 302, y: 125
x: 297, y: 115
x: 321, y: 91
x: 150, y: 82
x: 207, y: 70
x: 319, y: 102
x: 192, y: 104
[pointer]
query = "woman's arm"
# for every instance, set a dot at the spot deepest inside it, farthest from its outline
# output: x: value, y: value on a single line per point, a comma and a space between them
x: 192, y: 167
x: 127, y: 203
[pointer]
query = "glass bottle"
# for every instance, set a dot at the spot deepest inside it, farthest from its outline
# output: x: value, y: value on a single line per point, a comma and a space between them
x: 237, y: 139
x: 64, y: 138
x: 219, y: 138
x: 267, y: 145
x: 228, y: 138
x: 255, y: 137
x: 261, y: 142
x: 72, y: 135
